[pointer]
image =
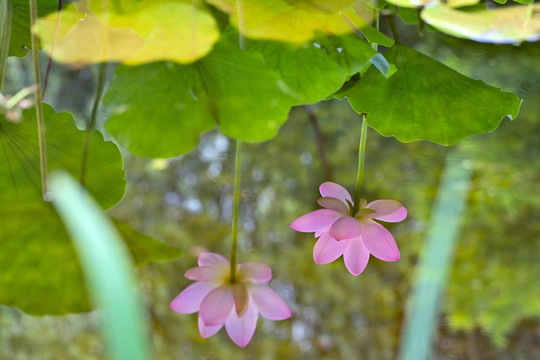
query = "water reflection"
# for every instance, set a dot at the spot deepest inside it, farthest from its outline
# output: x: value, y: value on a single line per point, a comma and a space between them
x: 492, y: 301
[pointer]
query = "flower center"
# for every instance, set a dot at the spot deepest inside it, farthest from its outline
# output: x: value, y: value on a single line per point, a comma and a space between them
x: 363, y: 212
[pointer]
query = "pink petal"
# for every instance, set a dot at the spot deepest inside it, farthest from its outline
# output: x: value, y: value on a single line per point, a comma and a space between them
x: 387, y: 210
x: 217, y: 305
x: 315, y: 220
x: 204, y: 273
x: 379, y: 241
x: 207, y: 331
x: 189, y: 300
x: 330, y: 189
x: 268, y: 302
x: 211, y: 259
x: 256, y: 271
x: 356, y: 257
x: 334, y: 204
x: 241, y: 329
x: 328, y: 249
x: 321, y: 231
x: 345, y: 228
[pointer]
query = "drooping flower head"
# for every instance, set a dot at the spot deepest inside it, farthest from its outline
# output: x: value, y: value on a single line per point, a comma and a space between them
x: 352, y: 232
x: 237, y: 305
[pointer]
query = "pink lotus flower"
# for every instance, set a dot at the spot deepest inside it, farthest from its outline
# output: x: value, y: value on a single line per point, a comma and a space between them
x: 354, y: 236
x: 237, y: 305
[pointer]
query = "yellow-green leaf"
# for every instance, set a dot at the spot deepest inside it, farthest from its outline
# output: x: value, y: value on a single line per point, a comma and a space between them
x: 506, y: 25
x: 422, y: 3
x: 162, y: 30
x: 322, y: 6
x: 287, y: 21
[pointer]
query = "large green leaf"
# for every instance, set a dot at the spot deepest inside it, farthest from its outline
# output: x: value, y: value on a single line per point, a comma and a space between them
x: 427, y: 100
x: 41, y: 273
x: 5, y: 36
x: 164, y: 117
x: 356, y: 56
x: 316, y: 69
x: 19, y: 150
x: 307, y: 69
x: 20, y: 26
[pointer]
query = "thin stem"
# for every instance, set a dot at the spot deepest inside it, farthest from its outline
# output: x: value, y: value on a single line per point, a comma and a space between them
x: 5, y: 33
x: 361, y: 157
x: 363, y: 137
x: 393, y: 27
x: 53, y: 44
x: 15, y: 99
x: 237, y: 160
x: 92, y: 123
x: 236, y: 202
x: 241, y: 24
x: 377, y: 24
x: 39, y: 106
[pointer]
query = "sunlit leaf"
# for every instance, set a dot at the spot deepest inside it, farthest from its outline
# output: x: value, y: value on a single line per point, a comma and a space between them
x: 134, y: 33
x: 322, y: 6
x: 41, y: 273
x: 425, y: 99
x: 428, y: 3
x: 229, y: 87
x: 506, y: 25
x: 280, y: 21
x: 518, y: 1
x: 20, y: 27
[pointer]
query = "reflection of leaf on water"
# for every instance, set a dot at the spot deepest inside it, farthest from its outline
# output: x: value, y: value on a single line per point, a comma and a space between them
x: 505, y: 25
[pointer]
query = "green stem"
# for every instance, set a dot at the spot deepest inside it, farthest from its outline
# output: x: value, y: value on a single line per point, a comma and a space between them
x: 236, y: 202
x: 53, y: 44
x: 241, y: 24
x: 393, y: 27
x: 237, y: 161
x: 377, y: 20
x: 363, y: 137
x: 361, y: 158
x: 15, y: 99
x: 92, y: 123
x: 39, y: 107
x: 5, y: 33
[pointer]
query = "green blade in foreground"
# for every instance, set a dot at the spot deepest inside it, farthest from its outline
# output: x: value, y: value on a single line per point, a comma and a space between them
x: 431, y: 276
x: 107, y: 267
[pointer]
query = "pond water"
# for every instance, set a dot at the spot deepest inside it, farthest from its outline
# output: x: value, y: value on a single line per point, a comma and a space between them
x: 490, y: 304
